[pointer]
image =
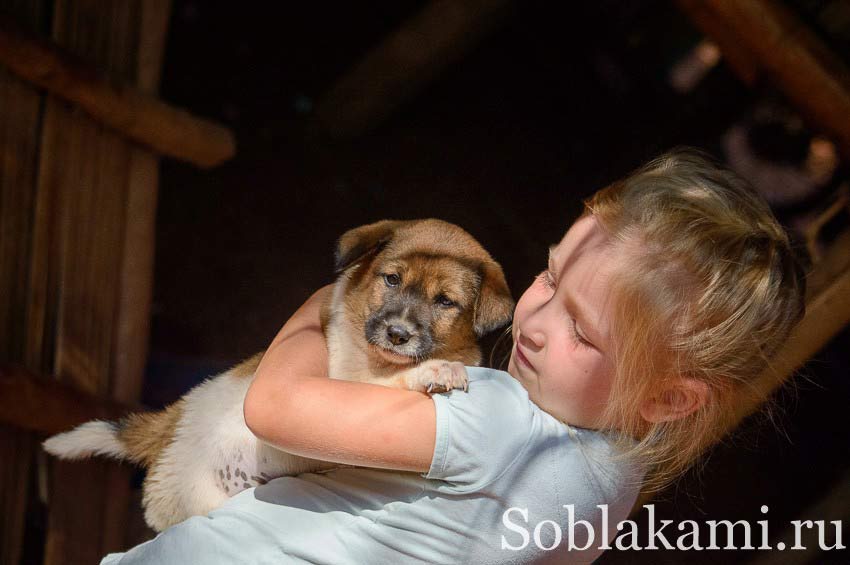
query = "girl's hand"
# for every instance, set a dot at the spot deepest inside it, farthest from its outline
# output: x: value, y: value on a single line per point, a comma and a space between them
x: 294, y: 406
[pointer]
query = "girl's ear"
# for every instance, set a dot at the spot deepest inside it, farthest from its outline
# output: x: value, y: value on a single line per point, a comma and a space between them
x: 677, y: 399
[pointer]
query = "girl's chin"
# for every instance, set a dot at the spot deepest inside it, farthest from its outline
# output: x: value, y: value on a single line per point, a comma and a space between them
x: 512, y: 367
x: 512, y: 362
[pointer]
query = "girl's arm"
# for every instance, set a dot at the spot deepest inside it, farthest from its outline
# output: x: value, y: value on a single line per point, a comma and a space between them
x: 293, y: 405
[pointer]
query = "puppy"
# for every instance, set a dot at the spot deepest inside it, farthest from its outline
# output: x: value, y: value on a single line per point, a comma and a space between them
x: 410, y: 299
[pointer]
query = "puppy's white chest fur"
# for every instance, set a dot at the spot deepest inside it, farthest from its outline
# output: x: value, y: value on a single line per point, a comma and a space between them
x: 237, y: 460
x: 214, y: 455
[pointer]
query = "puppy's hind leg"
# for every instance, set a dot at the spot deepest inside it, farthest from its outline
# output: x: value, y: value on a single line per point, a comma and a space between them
x: 169, y: 497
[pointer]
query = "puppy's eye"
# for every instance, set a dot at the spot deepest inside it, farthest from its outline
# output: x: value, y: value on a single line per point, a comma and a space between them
x: 392, y: 279
x: 443, y: 300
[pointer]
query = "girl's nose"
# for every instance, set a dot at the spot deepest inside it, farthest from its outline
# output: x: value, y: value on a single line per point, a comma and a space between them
x: 532, y: 330
x: 531, y: 338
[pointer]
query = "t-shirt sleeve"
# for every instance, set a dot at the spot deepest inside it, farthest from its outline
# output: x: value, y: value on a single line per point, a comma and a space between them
x: 482, y: 432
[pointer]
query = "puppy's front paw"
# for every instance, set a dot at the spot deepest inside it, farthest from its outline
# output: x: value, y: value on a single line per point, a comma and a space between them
x: 437, y: 375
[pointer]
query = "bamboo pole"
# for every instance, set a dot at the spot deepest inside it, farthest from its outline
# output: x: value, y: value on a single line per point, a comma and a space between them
x: 141, y: 117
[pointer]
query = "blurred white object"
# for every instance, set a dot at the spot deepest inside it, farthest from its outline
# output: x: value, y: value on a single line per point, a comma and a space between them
x: 692, y: 68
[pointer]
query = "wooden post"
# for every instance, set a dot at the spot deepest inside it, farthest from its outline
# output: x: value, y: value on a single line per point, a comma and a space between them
x: 82, y: 191
x: 135, y: 294
x: 77, y: 207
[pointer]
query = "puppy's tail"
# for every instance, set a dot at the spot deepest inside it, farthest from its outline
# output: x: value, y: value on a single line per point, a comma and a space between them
x: 138, y: 438
x: 92, y: 438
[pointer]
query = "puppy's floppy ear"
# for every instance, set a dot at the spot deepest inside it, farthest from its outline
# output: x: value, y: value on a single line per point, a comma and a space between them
x: 357, y: 243
x: 494, y: 307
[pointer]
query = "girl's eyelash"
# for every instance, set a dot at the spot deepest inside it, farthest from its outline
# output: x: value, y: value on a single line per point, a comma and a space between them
x: 548, y: 280
x: 577, y: 336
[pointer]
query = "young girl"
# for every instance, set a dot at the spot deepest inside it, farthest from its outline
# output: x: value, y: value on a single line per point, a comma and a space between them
x: 657, y: 308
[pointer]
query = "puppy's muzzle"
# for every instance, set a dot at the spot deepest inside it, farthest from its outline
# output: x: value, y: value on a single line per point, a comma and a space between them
x: 398, y: 335
x: 402, y: 335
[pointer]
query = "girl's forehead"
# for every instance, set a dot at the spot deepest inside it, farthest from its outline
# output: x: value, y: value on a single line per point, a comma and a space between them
x: 588, y: 261
x: 585, y: 234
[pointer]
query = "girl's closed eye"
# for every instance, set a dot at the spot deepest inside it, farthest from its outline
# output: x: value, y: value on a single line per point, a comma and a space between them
x: 547, y: 279
x: 576, y: 333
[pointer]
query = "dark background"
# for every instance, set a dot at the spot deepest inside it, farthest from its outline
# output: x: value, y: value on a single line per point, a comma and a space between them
x: 560, y: 100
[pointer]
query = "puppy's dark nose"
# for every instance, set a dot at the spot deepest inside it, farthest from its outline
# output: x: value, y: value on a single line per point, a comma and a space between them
x: 398, y: 335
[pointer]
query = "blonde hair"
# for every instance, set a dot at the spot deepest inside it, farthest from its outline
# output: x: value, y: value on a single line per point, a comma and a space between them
x: 711, y: 292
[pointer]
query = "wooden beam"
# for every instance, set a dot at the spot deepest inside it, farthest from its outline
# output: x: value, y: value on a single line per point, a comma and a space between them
x: 47, y: 406
x: 405, y: 62
x: 813, y: 78
x: 141, y: 117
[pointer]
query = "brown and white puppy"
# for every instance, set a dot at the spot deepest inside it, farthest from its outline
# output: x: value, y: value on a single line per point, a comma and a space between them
x: 409, y: 302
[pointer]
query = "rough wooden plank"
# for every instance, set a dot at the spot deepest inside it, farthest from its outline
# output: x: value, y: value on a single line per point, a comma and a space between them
x: 136, y: 275
x: 145, y: 119
x: 136, y: 283
x: 41, y: 303
x: 18, y: 153
x: 85, y: 188
x: 64, y: 247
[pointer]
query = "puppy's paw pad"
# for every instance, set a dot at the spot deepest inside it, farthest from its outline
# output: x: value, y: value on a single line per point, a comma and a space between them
x: 437, y: 375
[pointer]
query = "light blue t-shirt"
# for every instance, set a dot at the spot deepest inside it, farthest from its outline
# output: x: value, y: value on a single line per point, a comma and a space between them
x: 496, y: 452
